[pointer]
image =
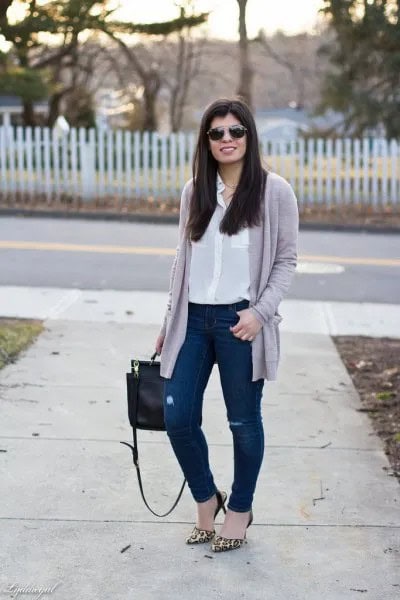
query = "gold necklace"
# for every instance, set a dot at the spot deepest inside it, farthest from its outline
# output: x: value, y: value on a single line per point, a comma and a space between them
x: 232, y: 187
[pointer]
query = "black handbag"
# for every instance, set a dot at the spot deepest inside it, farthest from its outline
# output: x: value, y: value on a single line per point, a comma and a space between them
x: 145, y: 391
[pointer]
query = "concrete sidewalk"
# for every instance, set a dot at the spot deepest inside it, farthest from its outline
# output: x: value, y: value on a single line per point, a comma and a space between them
x: 147, y: 308
x: 327, y: 516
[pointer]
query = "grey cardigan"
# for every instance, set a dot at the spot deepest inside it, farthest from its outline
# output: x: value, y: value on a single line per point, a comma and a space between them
x: 272, y: 258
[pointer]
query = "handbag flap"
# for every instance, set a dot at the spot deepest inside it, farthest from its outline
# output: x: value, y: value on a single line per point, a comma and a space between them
x: 146, y: 397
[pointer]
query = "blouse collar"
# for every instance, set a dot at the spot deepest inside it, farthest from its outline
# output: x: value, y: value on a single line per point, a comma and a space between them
x: 220, y: 184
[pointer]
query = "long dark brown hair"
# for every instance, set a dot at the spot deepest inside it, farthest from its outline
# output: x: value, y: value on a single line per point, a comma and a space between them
x: 244, y: 209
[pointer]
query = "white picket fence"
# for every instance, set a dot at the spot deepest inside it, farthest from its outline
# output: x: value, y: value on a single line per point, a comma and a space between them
x: 126, y: 167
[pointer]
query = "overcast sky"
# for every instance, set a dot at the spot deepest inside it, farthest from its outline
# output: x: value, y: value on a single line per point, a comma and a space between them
x: 290, y: 16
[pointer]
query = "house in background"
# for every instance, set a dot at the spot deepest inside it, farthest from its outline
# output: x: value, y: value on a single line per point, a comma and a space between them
x: 11, y: 110
x: 291, y: 123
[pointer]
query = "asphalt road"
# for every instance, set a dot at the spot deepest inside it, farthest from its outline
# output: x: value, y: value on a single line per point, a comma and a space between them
x: 354, y: 267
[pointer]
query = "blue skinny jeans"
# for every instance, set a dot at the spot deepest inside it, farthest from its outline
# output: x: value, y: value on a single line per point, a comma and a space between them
x: 208, y: 340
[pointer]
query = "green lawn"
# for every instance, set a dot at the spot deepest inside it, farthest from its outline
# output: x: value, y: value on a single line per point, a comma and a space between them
x: 15, y: 336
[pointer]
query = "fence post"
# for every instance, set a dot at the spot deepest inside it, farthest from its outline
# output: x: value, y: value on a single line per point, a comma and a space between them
x: 137, y: 162
x: 320, y: 171
x: 365, y: 166
x: 384, y: 180
x: 11, y: 159
x: 29, y: 163
x: 128, y: 164
x: 328, y: 181
x: 146, y: 162
x: 47, y: 163
x: 357, y: 171
x: 88, y: 166
x: 394, y: 172
x: 154, y: 164
x: 310, y: 160
x: 3, y: 162
x: 172, y: 163
x: 347, y: 181
x: 164, y: 166
x: 301, y: 170
x: 375, y: 170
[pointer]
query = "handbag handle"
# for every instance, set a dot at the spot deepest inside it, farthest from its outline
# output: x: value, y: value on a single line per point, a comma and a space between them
x: 135, y: 456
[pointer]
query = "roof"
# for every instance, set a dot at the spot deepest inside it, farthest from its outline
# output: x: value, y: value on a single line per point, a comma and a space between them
x: 10, y: 101
x: 291, y: 118
x: 14, y: 104
x: 283, y: 114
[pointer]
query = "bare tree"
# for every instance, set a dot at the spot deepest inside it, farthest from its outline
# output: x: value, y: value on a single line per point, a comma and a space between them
x: 299, y: 58
x: 149, y: 70
x: 186, y: 66
x: 246, y: 72
x: 150, y: 79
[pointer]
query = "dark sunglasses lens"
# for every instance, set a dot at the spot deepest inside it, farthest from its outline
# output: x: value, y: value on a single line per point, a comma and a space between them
x: 216, y: 134
x: 237, y: 131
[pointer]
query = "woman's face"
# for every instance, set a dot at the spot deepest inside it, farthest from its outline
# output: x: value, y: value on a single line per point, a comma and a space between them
x: 228, y: 150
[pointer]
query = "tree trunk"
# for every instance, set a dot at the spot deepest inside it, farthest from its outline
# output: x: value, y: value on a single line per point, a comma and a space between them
x: 151, y: 85
x: 149, y: 108
x: 246, y: 72
x: 28, y: 115
x: 54, y: 108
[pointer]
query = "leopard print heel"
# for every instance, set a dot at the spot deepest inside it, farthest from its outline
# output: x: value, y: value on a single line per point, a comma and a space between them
x: 202, y: 536
x: 223, y: 544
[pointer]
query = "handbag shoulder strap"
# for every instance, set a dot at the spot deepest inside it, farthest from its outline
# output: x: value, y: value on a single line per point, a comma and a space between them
x: 135, y: 456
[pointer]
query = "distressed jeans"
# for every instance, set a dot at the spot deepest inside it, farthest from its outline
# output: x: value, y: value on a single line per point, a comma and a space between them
x: 208, y: 340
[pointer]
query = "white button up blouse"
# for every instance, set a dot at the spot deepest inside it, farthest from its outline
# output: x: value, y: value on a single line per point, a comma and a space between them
x: 219, y: 268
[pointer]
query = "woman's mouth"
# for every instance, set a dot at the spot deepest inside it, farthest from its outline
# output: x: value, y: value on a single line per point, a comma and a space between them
x: 227, y: 149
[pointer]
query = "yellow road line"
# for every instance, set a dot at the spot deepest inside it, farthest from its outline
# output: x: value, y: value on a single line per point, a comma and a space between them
x: 148, y: 250
x: 105, y: 249
x: 353, y: 260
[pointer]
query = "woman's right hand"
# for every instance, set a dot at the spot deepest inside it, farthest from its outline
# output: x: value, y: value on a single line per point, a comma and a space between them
x: 160, y: 343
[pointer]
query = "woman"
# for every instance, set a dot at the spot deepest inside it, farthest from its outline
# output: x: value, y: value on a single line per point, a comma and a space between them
x: 234, y: 262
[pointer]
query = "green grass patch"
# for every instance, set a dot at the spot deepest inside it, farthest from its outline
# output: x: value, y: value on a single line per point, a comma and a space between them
x: 16, y: 335
x: 385, y: 395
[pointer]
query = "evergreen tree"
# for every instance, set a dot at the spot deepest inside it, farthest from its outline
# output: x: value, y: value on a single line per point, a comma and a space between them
x: 365, y: 82
x: 68, y: 20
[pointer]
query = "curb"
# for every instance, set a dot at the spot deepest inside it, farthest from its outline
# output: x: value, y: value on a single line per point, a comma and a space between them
x: 90, y: 216
x: 173, y: 219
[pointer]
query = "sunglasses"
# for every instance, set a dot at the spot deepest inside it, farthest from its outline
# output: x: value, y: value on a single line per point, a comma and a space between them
x: 235, y: 131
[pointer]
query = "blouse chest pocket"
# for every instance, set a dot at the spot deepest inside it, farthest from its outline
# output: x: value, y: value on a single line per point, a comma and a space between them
x: 204, y: 241
x: 240, y: 239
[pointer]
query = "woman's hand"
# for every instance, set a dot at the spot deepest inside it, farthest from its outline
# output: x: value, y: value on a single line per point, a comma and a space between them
x: 248, y: 326
x: 160, y: 343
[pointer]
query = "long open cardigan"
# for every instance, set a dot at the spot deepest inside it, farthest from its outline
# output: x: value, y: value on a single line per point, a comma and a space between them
x: 272, y: 259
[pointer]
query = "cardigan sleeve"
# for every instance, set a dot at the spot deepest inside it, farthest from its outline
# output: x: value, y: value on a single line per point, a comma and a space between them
x: 183, y: 212
x: 285, y: 262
